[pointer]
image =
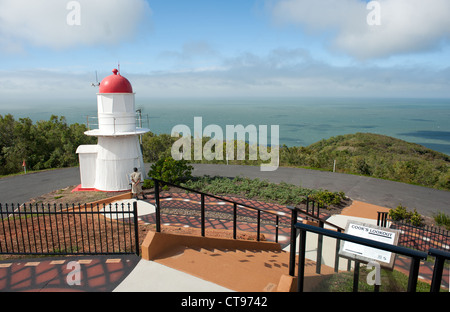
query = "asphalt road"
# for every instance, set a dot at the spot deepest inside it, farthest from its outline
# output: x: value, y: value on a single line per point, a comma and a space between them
x: 21, y: 188
x: 427, y: 201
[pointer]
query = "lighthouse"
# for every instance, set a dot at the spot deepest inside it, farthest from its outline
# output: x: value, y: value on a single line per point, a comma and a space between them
x: 107, y: 165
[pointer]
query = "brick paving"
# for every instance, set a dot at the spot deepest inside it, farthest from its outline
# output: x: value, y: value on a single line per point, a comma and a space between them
x: 104, y: 273
x: 66, y: 274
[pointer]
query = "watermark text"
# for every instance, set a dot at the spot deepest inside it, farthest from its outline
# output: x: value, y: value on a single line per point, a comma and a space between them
x: 374, y: 16
x: 74, y: 16
x: 235, y: 135
x: 74, y: 276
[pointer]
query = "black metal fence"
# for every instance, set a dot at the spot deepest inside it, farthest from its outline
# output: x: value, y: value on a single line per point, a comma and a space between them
x: 416, y: 256
x: 41, y: 229
x: 258, y: 215
x: 417, y: 237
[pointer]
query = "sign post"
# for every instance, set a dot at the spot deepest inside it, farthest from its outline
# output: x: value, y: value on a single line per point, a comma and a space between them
x: 367, y: 254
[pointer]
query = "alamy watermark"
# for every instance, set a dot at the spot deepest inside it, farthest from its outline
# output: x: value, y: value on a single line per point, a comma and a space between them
x: 74, y: 16
x: 374, y: 276
x: 74, y: 276
x: 214, y: 148
x: 374, y: 16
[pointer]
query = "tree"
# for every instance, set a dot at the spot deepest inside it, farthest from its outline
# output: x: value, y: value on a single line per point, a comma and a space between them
x: 156, y: 146
x: 170, y: 170
x: 44, y: 145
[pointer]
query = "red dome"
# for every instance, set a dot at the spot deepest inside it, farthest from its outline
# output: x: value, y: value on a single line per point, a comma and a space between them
x: 115, y: 84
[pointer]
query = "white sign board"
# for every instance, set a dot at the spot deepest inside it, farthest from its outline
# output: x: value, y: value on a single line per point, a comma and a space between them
x: 365, y: 253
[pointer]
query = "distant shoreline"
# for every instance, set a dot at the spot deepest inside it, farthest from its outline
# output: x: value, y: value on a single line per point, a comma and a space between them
x: 302, y: 121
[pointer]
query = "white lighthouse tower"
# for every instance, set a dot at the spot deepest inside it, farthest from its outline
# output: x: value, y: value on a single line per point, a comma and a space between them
x: 107, y: 165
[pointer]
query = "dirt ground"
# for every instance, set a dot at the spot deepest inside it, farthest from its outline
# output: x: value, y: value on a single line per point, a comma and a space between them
x: 66, y: 195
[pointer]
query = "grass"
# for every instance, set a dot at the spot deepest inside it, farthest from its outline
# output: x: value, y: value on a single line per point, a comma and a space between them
x: 376, y: 156
x: 391, y: 281
x: 365, y: 154
x: 282, y: 193
x: 443, y: 220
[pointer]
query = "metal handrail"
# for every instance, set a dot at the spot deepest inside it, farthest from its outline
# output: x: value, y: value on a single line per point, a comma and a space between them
x: 316, y: 218
x: 138, y: 121
x: 293, y: 240
x: 415, y: 255
x: 158, y: 213
x: 438, y: 269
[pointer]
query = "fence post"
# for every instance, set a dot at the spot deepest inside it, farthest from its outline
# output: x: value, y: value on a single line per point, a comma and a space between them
x: 136, y: 228
x: 234, y: 220
x: 307, y: 205
x: 258, y: 230
x: 301, y: 261
x: 277, y: 228
x: 356, y: 276
x: 319, y: 249
x: 336, y: 257
x: 202, y: 208
x: 437, y: 274
x: 413, y: 274
x: 440, y: 257
x: 293, y: 242
x: 157, y: 208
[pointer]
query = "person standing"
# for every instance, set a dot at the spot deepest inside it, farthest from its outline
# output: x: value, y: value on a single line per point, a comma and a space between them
x: 136, y: 187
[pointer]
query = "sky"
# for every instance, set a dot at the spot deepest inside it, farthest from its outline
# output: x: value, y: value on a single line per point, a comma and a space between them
x: 233, y: 48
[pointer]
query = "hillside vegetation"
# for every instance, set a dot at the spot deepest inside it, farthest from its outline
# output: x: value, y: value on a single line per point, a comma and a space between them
x: 42, y: 145
x: 52, y: 144
x: 366, y: 154
x: 376, y: 156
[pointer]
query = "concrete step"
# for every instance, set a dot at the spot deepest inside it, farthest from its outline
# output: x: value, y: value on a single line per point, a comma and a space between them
x: 236, y: 265
x: 253, y: 271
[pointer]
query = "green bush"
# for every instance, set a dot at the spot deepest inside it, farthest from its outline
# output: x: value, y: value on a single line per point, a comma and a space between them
x: 327, y: 198
x: 443, y: 220
x: 374, y: 155
x: 416, y: 219
x: 282, y: 193
x: 169, y: 170
x: 402, y: 214
x: 399, y: 213
x: 43, y: 145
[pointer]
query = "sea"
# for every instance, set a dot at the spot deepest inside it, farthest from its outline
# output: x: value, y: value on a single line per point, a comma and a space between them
x: 301, y: 121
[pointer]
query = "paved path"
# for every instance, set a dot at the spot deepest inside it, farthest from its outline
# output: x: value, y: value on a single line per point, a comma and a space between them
x: 123, y: 273
x: 384, y: 193
x: 21, y: 188
x: 427, y: 201
x: 68, y: 274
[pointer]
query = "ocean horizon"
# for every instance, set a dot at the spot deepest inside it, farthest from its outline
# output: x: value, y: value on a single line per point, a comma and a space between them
x: 301, y: 121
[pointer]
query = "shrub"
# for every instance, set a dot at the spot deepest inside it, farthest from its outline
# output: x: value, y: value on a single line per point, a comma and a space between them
x: 442, y: 219
x: 416, y: 219
x: 401, y: 213
x: 282, y: 193
x: 327, y: 198
x: 361, y: 166
x: 169, y: 170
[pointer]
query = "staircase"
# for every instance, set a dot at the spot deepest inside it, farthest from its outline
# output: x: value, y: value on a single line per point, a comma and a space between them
x: 244, y: 266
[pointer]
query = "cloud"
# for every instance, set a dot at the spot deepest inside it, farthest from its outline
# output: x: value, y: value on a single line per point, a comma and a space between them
x: 407, y: 26
x: 67, y: 24
x: 34, y: 84
x: 279, y: 73
x: 294, y: 72
x: 191, y: 53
